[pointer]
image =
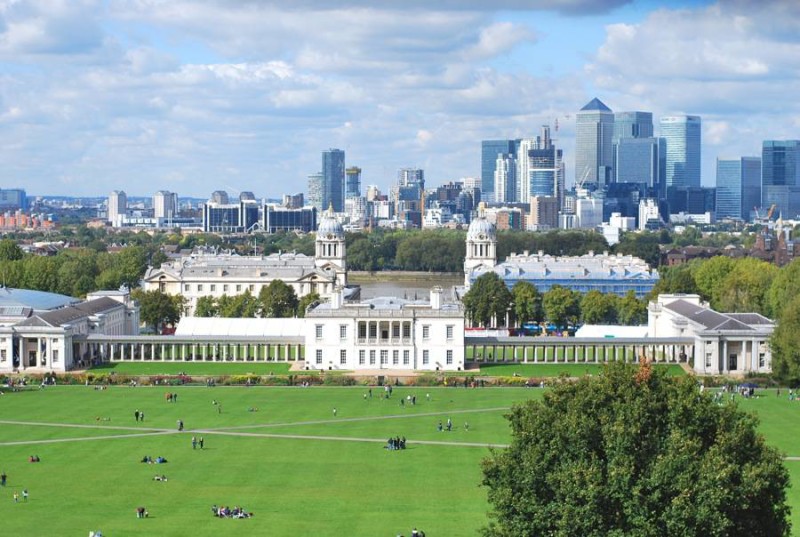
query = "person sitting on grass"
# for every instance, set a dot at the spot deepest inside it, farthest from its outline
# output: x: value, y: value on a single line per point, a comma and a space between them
x: 147, y: 459
x: 141, y: 512
x: 161, y: 477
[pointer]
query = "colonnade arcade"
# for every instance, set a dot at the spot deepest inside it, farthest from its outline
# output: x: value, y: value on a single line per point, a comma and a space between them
x: 177, y: 349
x: 581, y: 350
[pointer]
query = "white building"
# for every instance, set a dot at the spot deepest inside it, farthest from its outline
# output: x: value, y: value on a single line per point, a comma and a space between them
x: 165, y: 204
x: 648, y: 211
x: 213, y: 273
x: 505, y: 178
x: 117, y: 207
x: 588, y: 213
x: 386, y: 333
x: 55, y: 340
x: 725, y: 343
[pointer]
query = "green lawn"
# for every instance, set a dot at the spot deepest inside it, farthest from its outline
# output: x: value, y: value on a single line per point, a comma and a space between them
x: 193, y: 368
x: 279, y: 452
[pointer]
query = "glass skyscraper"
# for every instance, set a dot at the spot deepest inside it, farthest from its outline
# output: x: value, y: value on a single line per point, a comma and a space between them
x: 352, y: 182
x: 632, y: 125
x: 780, y: 176
x: 681, y: 136
x: 636, y: 161
x: 489, y: 151
x: 738, y: 187
x: 594, y: 130
x: 505, y: 178
x: 333, y: 179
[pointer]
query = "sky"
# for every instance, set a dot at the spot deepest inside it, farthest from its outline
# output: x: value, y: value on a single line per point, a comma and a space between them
x: 243, y: 95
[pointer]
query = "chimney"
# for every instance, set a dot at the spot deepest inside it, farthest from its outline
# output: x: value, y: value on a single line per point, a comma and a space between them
x: 336, y: 298
x: 436, y: 298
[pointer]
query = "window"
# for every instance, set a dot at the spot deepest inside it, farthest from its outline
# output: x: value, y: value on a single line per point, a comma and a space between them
x: 426, y: 357
x: 199, y: 287
x: 396, y: 331
x: 2, y: 355
x: 213, y: 287
x: 251, y: 287
x: 318, y: 330
x: 342, y: 357
x: 426, y: 331
x: 384, y: 357
x: 362, y: 330
x: 186, y: 287
x: 362, y: 357
x: 55, y: 356
x: 449, y: 357
x: 406, y: 357
x: 373, y: 330
x: 319, y: 356
x: 708, y: 359
x: 225, y: 288
x: 238, y: 288
x: 395, y: 357
x: 762, y: 359
x: 406, y: 330
x: 449, y: 331
x: 371, y: 357
x: 342, y: 331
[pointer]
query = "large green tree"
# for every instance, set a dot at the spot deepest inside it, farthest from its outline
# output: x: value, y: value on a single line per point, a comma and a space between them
x: 9, y: 250
x: 278, y: 299
x: 562, y: 306
x: 784, y: 287
x: 487, y: 299
x: 709, y: 275
x: 157, y: 309
x: 785, y: 344
x: 633, y: 452
x: 745, y: 288
x: 631, y: 311
x: 599, y: 308
x: 305, y: 302
x: 527, y: 303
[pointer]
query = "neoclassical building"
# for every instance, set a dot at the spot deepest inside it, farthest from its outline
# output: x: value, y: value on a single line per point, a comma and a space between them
x: 214, y: 273
x: 724, y: 343
x: 604, y: 272
x: 386, y: 333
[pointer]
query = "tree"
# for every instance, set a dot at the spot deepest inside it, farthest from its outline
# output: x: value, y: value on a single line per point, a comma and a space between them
x: 785, y: 344
x: 157, y: 308
x: 599, y: 308
x: 131, y: 263
x: 745, y: 288
x: 631, y: 311
x: 527, y: 303
x: 709, y: 275
x: 635, y: 452
x: 305, y: 302
x: 488, y: 298
x: 278, y: 299
x: 206, y: 307
x: 10, y: 251
x: 561, y: 306
x: 672, y: 280
x: 785, y: 286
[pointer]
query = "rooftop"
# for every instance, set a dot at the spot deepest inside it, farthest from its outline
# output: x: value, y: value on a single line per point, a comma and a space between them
x: 595, y: 105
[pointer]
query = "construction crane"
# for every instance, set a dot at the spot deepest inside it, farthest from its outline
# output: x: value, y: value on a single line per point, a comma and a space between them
x: 771, y: 211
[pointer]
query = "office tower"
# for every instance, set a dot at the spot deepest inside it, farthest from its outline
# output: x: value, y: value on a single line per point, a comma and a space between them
x: 408, y: 195
x: 545, y: 170
x: 165, y: 204
x: 316, y: 187
x: 293, y: 201
x: 12, y: 199
x: 780, y: 176
x: 373, y: 193
x: 277, y: 218
x: 738, y: 187
x: 352, y: 182
x: 411, y: 177
x: 681, y: 136
x: 237, y: 217
x: 219, y: 196
x: 505, y: 178
x: 594, y: 131
x: 636, y: 160
x: 544, y: 213
x: 649, y: 214
x: 333, y: 179
x: 632, y: 125
x: 117, y: 207
x: 489, y: 151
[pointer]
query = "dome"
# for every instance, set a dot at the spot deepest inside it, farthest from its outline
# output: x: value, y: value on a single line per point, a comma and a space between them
x: 329, y: 227
x: 480, y: 230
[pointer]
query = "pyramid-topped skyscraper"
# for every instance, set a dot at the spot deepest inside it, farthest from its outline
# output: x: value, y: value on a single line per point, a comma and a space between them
x: 593, y: 145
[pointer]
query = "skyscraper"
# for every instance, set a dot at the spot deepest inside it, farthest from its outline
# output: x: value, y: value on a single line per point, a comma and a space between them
x: 632, y: 125
x: 316, y: 186
x: 333, y: 179
x: 505, y: 178
x: 594, y: 131
x: 738, y: 187
x: 165, y: 204
x: 545, y: 175
x: 352, y: 182
x: 682, y: 141
x: 117, y: 207
x: 489, y: 151
x: 780, y: 176
x: 636, y: 161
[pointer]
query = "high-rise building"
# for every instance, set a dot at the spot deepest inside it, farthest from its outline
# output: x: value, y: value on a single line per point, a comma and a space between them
x: 277, y: 218
x: 165, y: 204
x: 682, y: 143
x: 637, y: 161
x: 489, y: 151
x: 219, y: 196
x: 316, y: 187
x: 352, y: 182
x: 505, y: 178
x: 544, y: 213
x: 12, y: 199
x: 780, y: 176
x: 738, y: 187
x: 632, y: 125
x: 117, y: 207
x: 594, y: 158
x: 238, y: 217
x: 409, y: 192
x: 545, y: 175
x: 333, y: 179
x: 293, y: 201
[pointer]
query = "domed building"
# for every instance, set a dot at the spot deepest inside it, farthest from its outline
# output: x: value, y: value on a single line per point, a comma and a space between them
x: 210, y: 272
x: 481, y: 253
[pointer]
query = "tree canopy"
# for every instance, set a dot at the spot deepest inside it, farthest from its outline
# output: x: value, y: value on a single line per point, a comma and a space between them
x: 488, y: 298
x: 633, y: 452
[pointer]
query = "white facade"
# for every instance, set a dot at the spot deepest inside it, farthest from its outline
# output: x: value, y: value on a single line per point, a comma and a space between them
x: 648, y: 210
x: 386, y: 333
x: 725, y: 343
x: 165, y: 204
x: 117, y: 207
x: 505, y: 178
x: 588, y: 213
x: 481, y: 248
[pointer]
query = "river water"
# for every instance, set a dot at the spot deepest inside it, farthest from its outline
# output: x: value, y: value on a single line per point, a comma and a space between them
x: 408, y: 285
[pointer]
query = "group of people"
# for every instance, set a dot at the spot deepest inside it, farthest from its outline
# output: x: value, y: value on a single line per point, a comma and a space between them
x: 396, y: 443
x: 34, y: 458
x: 230, y: 512
x: 138, y: 415
x: 141, y: 512
x: 149, y: 460
x: 171, y: 397
x: 196, y: 441
x: 449, y: 425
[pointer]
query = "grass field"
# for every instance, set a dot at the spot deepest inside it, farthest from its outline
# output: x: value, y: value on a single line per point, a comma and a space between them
x: 279, y: 452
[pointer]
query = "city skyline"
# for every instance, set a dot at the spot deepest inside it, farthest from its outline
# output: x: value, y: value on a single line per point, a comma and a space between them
x: 194, y: 97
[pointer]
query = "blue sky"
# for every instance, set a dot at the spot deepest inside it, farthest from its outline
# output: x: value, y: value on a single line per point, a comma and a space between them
x: 194, y: 96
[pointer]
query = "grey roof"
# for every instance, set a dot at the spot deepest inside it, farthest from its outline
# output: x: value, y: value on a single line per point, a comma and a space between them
x: 706, y: 317
x: 37, y: 300
x: 527, y: 266
x: 67, y: 315
x: 751, y: 318
x: 595, y: 105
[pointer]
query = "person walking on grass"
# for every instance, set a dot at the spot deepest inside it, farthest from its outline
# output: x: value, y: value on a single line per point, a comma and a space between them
x: 194, y: 443
x: 24, y: 495
x: 16, y: 497
x: 200, y: 441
